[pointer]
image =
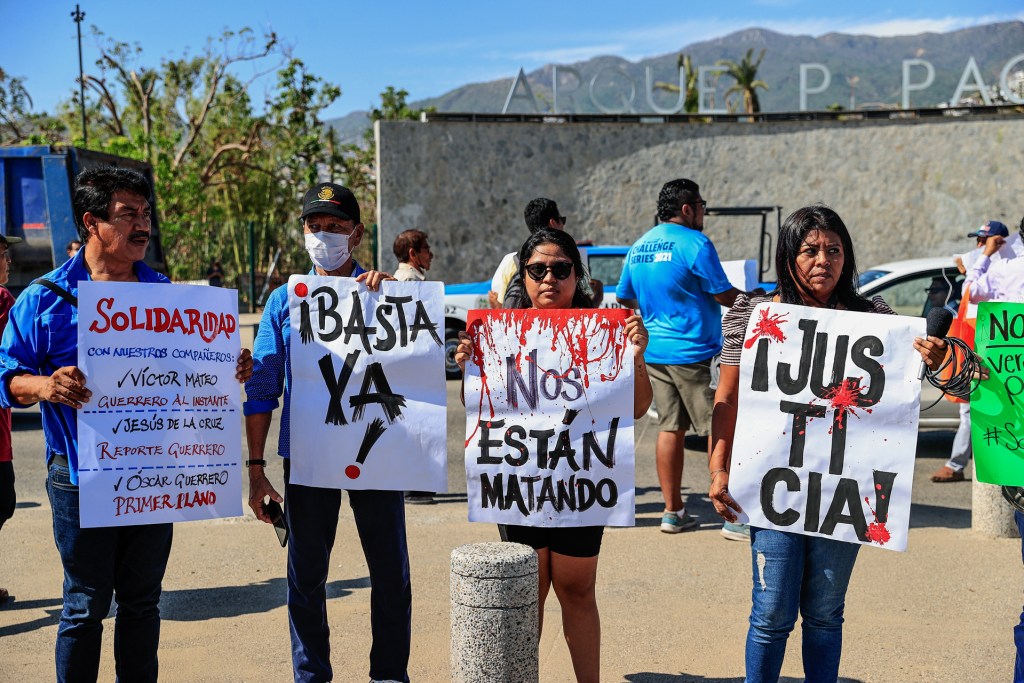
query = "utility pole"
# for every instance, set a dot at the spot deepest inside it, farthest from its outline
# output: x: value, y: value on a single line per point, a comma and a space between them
x: 78, y: 15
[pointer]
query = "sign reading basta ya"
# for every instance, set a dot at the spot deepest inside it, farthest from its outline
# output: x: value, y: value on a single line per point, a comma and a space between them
x: 368, y: 387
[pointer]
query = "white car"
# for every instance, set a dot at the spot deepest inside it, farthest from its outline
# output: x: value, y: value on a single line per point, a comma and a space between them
x: 907, y: 287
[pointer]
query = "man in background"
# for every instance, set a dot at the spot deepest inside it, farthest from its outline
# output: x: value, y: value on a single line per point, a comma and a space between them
x: 674, y: 276
x: 414, y: 256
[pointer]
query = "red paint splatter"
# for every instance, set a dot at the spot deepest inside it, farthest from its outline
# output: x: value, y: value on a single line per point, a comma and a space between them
x: 877, y: 532
x: 847, y: 398
x: 301, y: 289
x: 352, y: 471
x: 592, y: 340
x: 768, y: 326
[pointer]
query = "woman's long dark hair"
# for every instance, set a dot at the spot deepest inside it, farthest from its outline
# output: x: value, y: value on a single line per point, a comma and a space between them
x: 791, y: 237
x: 582, y: 297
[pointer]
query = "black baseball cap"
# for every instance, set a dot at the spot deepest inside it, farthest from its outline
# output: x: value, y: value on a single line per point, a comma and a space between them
x: 8, y: 240
x: 333, y: 200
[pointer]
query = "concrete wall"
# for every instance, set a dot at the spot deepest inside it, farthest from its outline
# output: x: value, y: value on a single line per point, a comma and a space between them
x: 906, y: 188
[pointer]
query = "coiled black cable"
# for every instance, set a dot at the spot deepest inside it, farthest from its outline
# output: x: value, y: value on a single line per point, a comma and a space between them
x: 964, y: 375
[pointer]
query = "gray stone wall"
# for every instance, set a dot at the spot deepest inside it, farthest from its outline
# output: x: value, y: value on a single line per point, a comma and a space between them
x: 905, y: 188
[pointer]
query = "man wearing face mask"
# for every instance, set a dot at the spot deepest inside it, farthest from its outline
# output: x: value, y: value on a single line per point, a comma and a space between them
x: 331, y: 231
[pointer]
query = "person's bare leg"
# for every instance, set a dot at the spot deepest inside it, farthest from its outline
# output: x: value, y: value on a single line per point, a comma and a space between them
x: 573, y: 579
x: 668, y: 453
x: 543, y: 585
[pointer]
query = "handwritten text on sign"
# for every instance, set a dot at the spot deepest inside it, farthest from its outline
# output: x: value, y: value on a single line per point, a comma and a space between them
x: 160, y: 441
x: 368, y: 395
x: 549, y: 418
x: 839, y: 392
x: 997, y: 405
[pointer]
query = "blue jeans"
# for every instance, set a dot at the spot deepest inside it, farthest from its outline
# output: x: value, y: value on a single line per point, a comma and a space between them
x: 797, y: 573
x: 126, y: 563
x: 312, y: 518
x: 1018, y: 630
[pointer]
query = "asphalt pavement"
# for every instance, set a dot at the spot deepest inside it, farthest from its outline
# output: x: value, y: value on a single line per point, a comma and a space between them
x: 673, y: 607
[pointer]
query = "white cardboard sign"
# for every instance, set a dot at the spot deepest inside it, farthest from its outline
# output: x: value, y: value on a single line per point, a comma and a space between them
x: 826, y: 428
x: 368, y: 399
x: 549, y: 418
x: 160, y: 439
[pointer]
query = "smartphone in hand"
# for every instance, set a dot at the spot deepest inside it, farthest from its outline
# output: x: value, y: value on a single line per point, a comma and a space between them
x: 276, y: 514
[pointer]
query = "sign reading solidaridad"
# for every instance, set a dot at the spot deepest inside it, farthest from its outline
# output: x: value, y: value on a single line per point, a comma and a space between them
x: 160, y: 439
x: 826, y: 427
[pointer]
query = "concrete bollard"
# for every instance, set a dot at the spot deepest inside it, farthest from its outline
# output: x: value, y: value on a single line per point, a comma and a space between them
x: 990, y: 513
x: 494, y: 613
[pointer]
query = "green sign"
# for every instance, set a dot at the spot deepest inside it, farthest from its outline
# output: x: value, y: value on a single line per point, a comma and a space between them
x: 997, y: 406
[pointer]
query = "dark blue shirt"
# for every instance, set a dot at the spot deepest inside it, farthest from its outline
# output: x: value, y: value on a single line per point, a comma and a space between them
x: 42, y: 337
x: 271, y: 366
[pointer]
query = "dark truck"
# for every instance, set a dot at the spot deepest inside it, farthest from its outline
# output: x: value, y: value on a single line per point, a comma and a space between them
x: 35, y: 205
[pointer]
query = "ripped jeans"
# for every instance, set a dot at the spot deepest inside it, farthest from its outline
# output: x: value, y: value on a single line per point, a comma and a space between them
x: 795, y: 573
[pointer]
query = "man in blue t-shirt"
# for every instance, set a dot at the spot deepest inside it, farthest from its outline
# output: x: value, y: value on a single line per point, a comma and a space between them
x: 673, y: 275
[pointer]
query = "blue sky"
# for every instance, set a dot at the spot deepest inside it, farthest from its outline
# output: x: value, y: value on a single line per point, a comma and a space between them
x: 429, y: 48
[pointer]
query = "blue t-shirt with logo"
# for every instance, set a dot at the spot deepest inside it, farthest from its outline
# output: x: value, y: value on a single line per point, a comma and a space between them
x: 674, y: 272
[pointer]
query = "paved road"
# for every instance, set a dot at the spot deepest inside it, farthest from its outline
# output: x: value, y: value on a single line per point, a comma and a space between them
x: 673, y: 608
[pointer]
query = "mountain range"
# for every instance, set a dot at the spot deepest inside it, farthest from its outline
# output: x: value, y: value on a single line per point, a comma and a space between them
x: 865, y: 71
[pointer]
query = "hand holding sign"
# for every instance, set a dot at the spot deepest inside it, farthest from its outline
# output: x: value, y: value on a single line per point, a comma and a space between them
x: 66, y: 385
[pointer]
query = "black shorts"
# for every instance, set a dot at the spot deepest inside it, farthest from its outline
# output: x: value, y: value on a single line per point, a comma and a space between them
x: 578, y: 541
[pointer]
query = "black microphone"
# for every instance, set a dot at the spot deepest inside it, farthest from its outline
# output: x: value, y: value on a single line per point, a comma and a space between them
x: 939, y: 322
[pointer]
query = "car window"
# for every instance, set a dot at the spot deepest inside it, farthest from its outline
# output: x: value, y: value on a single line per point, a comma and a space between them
x: 607, y: 268
x: 870, y: 276
x: 918, y: 294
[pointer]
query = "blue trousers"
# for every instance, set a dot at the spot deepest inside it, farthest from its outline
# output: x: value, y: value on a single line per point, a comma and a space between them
x: 795, y: 573
x: 126, y: 563
x: 312, y: 518
x: 1018, y: 630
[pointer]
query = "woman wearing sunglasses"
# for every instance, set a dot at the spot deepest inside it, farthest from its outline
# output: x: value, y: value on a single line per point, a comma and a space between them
x: 554, y: 278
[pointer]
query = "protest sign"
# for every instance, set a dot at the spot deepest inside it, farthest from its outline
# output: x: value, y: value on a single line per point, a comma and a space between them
x: 368, y: 387
x: 826, y: 428
x: 549, y: 418
x: 997, y: 405
x: 160, y: 439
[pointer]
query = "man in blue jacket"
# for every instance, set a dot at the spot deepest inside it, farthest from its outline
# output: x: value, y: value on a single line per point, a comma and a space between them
x: 38, y: 364
x: 331, y: 231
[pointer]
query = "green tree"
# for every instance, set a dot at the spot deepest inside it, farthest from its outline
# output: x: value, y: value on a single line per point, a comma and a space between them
x: 745, y: 74
x: 18, y: 124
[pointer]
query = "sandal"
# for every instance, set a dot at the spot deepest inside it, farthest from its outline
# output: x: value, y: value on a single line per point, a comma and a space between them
x: 947, y: 474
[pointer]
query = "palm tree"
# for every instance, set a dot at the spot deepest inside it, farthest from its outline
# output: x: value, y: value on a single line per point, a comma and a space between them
x: 745, y: 75
x: 690, y: 74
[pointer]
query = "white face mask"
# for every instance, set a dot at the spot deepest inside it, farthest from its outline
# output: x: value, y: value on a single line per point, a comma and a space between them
x: 327, y: 249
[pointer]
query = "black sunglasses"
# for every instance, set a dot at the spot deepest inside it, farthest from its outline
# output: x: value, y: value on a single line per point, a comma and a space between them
x: 538, y: 271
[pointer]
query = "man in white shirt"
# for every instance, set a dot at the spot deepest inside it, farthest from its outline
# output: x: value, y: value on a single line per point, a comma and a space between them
x: 413, y: 254
x: 990, y: 280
